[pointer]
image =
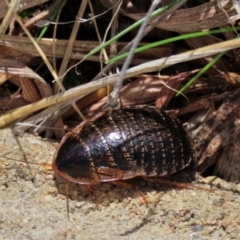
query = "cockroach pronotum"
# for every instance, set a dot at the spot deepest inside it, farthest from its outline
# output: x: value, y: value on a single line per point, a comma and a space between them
x: 123, y: 144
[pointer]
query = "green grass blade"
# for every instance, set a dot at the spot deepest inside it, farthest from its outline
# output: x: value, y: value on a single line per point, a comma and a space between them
x: 136, y: 24
x: 202, y: 71
x: 52, y: 18
x: 173, y: 39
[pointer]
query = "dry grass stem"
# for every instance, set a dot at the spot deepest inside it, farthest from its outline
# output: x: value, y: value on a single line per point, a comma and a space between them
x: 152, y: 66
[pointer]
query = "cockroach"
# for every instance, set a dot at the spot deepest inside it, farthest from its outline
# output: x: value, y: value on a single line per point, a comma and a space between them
x: 123, y: 144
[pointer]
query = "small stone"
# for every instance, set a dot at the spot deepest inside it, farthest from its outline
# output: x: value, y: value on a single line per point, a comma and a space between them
x: 79, y: 204
x: 230, y: 229
x: 238, y: 220
x: 218, y: 202
x: 225, y: 222
x: 210, y: 221
x: 167, y: 231
x: 224, y: 206
x: 142, y: 200
x: 48, y: 198
x: 114, y: 214
x: 113, y: 205
x: 166, y: 198
x: 61, y: 196
x: 234, y: 215
x: 50, y: 190
x: 187, y: 217
x: 105, y: 203
x: 197, y: 228
x: 6, y: 163
x: 85, y: 210
x: 126, y: 200
x: 49, y: 177
x: 207, y: 231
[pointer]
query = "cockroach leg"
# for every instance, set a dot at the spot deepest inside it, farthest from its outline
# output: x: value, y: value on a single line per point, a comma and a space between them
x: 181, y: 185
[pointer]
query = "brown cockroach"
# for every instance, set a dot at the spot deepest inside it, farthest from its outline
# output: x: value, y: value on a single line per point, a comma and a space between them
x: 123, y: 144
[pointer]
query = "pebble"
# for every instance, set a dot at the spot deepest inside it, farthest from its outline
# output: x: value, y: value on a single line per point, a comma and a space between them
x: 226, y: 221
x: 61, y: 196
x: 238, y: 220
x: 225, y: 206
x: 50, y: 190
x: 79, y: 204
x: 113, y: 205
x: 218, y: 202
x: 187, y: 217
x: 197, y: 228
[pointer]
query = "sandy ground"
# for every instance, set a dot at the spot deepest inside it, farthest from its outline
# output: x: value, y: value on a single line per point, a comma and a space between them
x: 33, y: 203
